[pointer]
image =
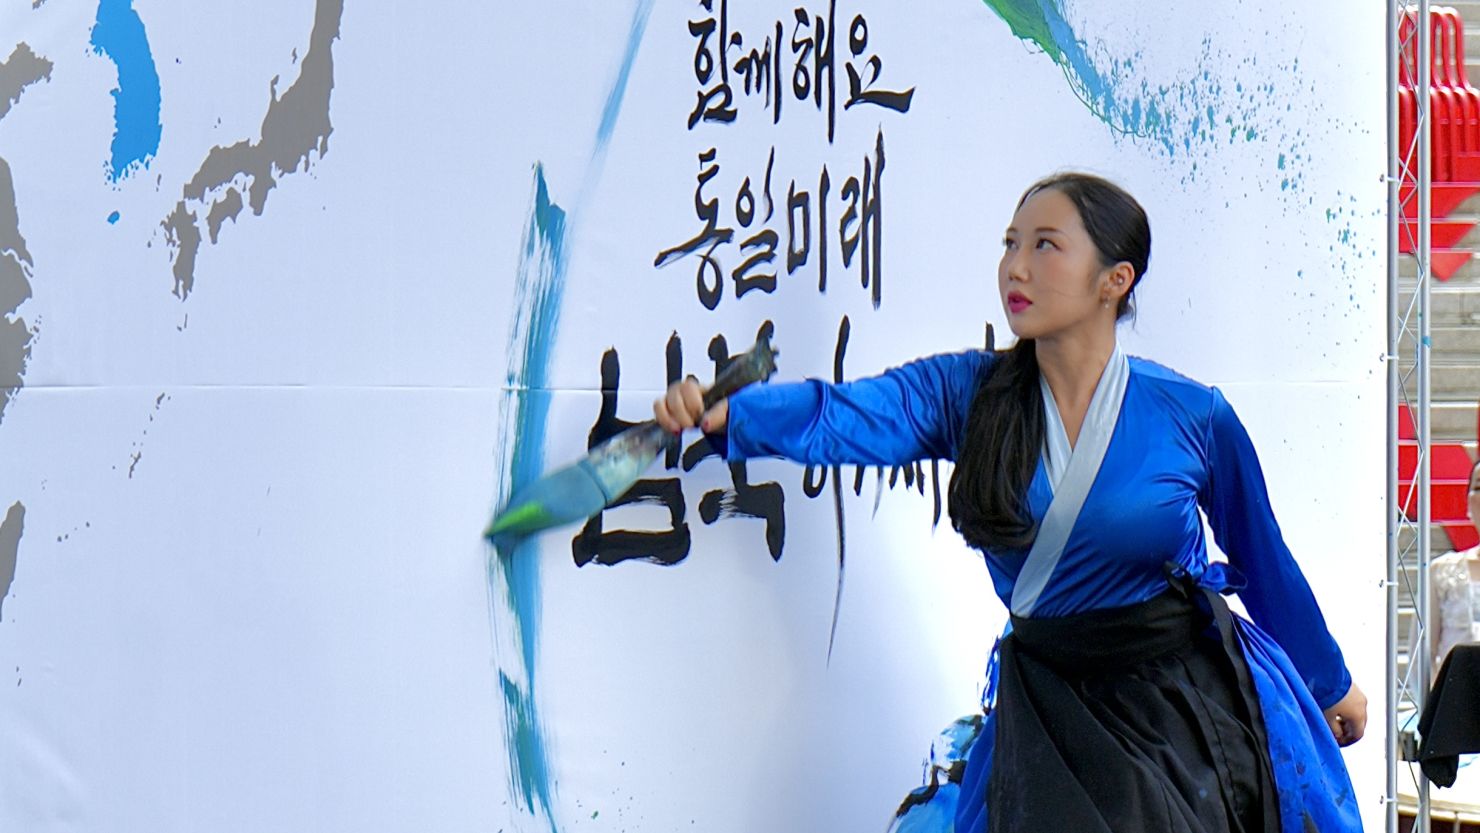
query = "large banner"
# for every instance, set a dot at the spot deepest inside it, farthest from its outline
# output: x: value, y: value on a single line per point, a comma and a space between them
x: 296, y: 292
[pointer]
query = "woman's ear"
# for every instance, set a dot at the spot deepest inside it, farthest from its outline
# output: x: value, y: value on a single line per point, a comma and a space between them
x: 1118, y: 281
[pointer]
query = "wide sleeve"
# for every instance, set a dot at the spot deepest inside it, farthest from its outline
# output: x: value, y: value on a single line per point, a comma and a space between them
x: 1277, y: 596
x: 913, y: 412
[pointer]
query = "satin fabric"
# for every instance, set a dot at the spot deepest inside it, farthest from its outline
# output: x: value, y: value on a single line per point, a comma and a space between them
x: 1178, y: 451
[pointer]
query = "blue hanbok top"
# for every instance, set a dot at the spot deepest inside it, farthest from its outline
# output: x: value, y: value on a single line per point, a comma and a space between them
x: 1176, y: 450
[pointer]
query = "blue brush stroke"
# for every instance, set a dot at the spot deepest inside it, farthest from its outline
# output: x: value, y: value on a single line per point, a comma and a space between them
x: 119, y: 34
x: 542, y: 289
x: 538, y: 290
x: 613, y: 107
x: 538, y: 294
x: 619, y: 87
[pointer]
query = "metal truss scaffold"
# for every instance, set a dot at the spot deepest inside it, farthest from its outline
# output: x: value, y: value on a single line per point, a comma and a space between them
x: 1409, y: 545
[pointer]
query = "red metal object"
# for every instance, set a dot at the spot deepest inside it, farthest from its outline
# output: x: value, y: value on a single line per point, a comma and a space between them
x: 1450, y: 74
x: 1455, y: 133
x: 1454, y: 104
x: 1462, y: 536
x: 1442, y: 134
x: 1407, y: 122
x: 1449, y: 483
x: 1407, y: 60
x: 1443, y: 234
x: 1444, y: 263
x: 1444, y: 198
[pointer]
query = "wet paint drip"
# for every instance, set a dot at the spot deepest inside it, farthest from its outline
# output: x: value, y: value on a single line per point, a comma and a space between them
x: 513, y: 565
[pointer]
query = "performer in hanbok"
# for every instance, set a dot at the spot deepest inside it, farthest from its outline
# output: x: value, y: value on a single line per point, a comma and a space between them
x: 1128, y: 697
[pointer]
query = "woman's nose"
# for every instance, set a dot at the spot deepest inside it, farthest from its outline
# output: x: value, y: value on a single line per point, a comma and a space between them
x: 1014, y: 267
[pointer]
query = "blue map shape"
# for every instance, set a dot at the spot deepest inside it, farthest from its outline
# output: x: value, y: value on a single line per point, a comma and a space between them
x: 119, y: 34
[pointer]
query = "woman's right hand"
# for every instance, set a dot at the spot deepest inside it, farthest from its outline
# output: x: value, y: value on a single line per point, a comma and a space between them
x: 683, y: 407
x: 1348, y: 717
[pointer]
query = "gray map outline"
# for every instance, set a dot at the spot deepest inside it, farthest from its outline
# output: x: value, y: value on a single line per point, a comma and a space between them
x: 23, y: 69
x: 296, y: 125
x: 10, y: 543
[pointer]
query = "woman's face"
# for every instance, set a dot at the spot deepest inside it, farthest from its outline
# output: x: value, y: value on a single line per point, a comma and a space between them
x: 1050, y: 278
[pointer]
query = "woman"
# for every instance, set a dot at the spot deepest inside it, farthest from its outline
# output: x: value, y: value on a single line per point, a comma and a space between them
x: 1454, y: 610
x: 1454, y: 589
x: 1128, y: 698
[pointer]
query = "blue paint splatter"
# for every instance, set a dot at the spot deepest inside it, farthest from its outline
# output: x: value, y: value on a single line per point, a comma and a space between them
x: 1182, y: 117
x: 113, y: 218
x: 514, y: 574
x: 119, y: 34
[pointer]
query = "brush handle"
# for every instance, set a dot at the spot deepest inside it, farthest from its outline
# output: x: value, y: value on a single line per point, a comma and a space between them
x: 617, y: 463
x: 581, y: 489
x: 754, y: 365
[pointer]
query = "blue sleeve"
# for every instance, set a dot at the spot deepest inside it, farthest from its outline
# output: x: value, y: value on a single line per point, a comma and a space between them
x: 913, y: 412
x: 1278, y: 597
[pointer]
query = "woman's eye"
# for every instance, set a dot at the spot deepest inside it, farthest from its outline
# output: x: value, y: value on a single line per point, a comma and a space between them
x: 1008, y: 243
x: 1045, y: 243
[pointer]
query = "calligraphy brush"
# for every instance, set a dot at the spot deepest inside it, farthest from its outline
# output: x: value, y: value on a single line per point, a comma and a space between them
x: 589, y: 485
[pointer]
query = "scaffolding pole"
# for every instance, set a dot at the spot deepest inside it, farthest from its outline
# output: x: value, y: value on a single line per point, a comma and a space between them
x: 1409, y: 60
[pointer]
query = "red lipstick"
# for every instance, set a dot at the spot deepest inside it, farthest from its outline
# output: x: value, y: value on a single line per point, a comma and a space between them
x: 1017, y: 302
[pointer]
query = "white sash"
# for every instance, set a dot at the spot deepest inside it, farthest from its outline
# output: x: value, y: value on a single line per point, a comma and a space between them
x: 1071, y: 473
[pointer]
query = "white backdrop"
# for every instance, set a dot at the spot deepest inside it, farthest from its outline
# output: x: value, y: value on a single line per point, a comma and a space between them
x: 303, y: 284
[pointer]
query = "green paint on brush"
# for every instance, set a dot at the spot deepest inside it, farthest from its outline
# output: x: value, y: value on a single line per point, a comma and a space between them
x: 515, y: 521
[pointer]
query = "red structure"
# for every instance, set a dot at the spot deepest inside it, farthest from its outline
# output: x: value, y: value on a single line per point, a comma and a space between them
x: 1449, y: 484
x: 1455, y: 109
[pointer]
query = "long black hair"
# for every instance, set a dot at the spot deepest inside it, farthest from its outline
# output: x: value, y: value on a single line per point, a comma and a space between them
x: 1005, y: 426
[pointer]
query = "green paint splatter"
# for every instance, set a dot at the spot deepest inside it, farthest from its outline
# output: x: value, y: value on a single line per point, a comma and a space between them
x: 1029, y: 20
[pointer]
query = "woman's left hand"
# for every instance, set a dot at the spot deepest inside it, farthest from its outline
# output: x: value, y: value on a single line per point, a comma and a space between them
x: 1348, y: 717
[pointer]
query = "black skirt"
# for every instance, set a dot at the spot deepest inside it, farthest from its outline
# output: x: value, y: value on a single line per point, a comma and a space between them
x: 1140, y: 718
